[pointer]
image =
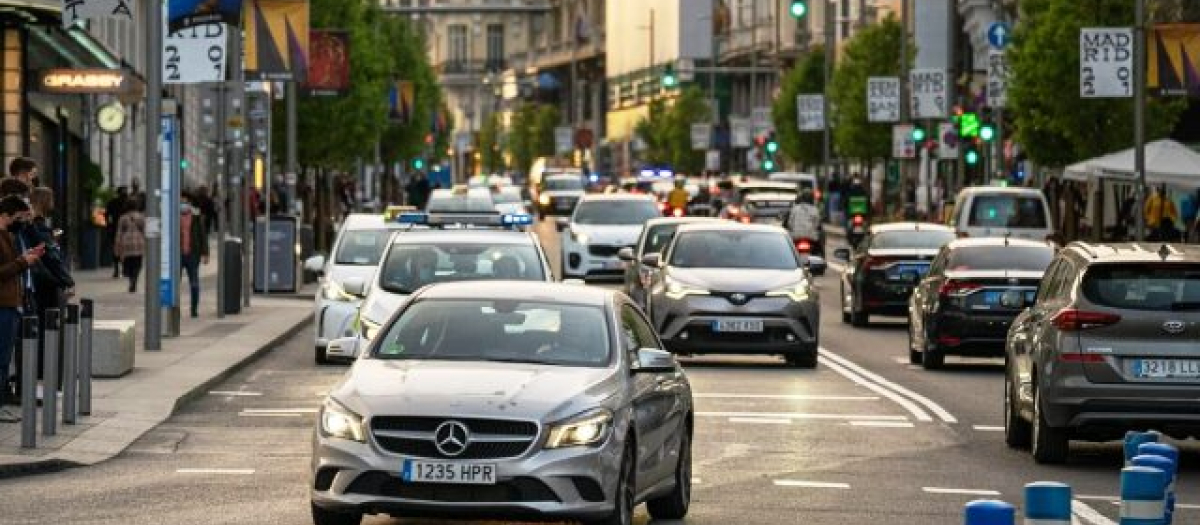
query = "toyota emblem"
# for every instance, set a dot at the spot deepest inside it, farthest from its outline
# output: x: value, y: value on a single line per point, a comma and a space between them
x: 738, y: 298
x: 1174, y: 327
x: 451, y: 438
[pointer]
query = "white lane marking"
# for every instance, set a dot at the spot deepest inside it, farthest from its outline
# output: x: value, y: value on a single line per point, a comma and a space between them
x: 937, y: 409
x: 915, y: 410
x: 280, y: 410
x: 226, y: 471
x: 1085, y: 497
x: 233, y: 393
x: 798, y: 397
x: 1088, y: 515
x: 760, y: 420
x: 1188, y: 506
x: 810, y: 484
x: 988, y: 428
x: 902, y: 361
x: 799, y: 415
x: 270, y: 414
x: 965, y: 492
x: 881, y: 424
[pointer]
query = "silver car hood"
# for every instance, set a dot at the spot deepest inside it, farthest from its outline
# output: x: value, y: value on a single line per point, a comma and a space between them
x: 608, y: 234
x: 737, y: 280
x: 478, y: 389
x: 339, y: 273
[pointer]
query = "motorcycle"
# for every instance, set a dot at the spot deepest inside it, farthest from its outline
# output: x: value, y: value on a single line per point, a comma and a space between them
x: 857, y: 230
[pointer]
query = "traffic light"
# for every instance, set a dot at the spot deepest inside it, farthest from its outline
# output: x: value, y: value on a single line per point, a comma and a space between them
x: 183, y: 164
x: 969, y: 125
x: 669, y: 80
x: 919, y: 134
x: 769, y: 165
x: 799, y: 8
x: 772, y: 145
x: 987, y: 131
x: 418, y: 164
x: 972, y: 157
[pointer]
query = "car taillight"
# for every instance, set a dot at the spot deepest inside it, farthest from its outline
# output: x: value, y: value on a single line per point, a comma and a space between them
x: 817, y: 195
x: 963, y: 235
x: 1080, y: 357
x: 858, y: 220
x: 1072, y: 320
x: 678, y: 212
x: 745, y: 220
x: 804, y: 246
x: 957, y: 288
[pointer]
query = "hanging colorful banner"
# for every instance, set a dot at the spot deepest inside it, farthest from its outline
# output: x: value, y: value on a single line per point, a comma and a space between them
x: 182, y: 14
x: 277, y: 40
x: 329, y: 64
x: 400, y: 101
x: 1174, y: 60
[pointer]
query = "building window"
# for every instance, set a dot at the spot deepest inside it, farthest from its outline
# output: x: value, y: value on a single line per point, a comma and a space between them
x: 457, y: 48
x: 495, y: 47
x: 845, y: 19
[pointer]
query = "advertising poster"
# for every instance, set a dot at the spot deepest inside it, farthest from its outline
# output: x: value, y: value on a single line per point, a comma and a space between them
x: 328, y: 64
x: 277, y: 40
x: 182, y: 14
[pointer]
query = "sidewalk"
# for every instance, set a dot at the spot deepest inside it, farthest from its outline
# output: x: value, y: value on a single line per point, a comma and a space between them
x: 123, y: 409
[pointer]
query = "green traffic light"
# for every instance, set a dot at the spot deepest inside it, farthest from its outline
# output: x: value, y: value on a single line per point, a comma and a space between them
x: 418, y: 164
x: 972, y: 157
x: 669, y: 80
x: 918, y: 134
x: 799, y: 8
x: 772, y: 147
x: 183, y: 164
x: 987, y: 132
x: 969, y: 125
x: 769, y: 165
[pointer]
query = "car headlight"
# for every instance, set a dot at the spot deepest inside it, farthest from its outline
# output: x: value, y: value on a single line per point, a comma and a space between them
x: 589, y: 428
x: 677, y: 290
x: 579, y: 237
x: 544, y: 199
x: 340, y: 422
x: 333, y: 291
x: 798, y: 293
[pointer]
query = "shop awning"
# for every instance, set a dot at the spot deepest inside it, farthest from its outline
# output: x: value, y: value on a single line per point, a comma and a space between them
x: 51, y: 45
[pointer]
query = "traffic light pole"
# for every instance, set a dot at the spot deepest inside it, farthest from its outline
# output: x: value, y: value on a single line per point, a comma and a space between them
x: 1139, y: 115
x: 827, y: 21
x: 152, y: 335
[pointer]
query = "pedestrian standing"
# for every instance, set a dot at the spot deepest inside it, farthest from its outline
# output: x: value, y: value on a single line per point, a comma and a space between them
x: 52, y: 281
x: 208, y: 207
x: 131, y: 241
x: 13, y: 265
x: 193, y: 247
x: 113, y: 209
x: 25, y: 170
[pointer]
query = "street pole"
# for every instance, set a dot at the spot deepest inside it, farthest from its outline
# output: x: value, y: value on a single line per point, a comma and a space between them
x: 1139, y: 114
x: 830, y: 42
x: 219, y: 192
x: 753, y: 55
x: 152, y: 334
x: 291, y: 172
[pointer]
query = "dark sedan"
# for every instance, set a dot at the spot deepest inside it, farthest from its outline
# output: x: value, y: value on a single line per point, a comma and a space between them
x: 957, y: 308
x: 881, y: 274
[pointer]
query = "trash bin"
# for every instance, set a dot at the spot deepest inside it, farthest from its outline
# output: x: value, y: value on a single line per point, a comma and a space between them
x: 233, y: 275
x: 283, y: 244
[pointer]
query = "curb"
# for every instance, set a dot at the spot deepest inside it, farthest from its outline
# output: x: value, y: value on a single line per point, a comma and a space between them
x: 53, y: 464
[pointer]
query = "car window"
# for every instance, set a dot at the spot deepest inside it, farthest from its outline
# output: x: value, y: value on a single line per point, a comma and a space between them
x: 1023, y: 258
x: 499, y: 330
x: 362, y: 247
x: 734, y: 249
x: 658, y: 237
x: 914, y: 240
x: 615, y: 212
x: 1007, y: 211
x: 636, y: 331
x: 474, y: 203
x: 1150, y: 286
x: 563, y: 184
x: 506, y: 195
x: 410, y: 267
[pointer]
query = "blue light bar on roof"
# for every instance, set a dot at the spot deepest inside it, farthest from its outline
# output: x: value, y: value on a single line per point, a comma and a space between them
x: 517, y: 219
x: 413, y: 218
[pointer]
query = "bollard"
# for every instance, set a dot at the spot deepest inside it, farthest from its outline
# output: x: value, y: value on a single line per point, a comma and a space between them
x: 29, y: 365
x: 990, y: 512
x: 1047, y: 503
x: 70, y: 409
x: 1143, y: 496
x: 1134, y: 439
x: 86, y: 316
x: 1168, y: 467
x: 50, y: 373
x: 1171, y: 453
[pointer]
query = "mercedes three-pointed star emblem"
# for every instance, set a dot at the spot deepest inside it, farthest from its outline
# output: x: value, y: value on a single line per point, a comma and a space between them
x: 451, y: 438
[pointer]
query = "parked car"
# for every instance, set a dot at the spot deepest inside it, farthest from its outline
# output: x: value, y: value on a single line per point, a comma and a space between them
x: 994, y: 211
x: 1108, y: 344
x: 881, y: 274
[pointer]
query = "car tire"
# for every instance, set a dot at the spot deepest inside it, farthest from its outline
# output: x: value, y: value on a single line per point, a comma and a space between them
x: 622, y: 513
x: 802, y: 360
x: 322, y: 358
x: 860, y: 319
x: 1017, y: 431
x: 932, y: 358
x: 914, y: 357
x: 1050, y: 445
x: 674, y: 505
x: 322, y: 516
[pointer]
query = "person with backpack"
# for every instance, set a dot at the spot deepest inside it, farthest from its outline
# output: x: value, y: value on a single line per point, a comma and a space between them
x: 131, y: 241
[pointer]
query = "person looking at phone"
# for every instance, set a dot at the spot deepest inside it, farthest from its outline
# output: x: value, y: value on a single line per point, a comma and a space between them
x: 14, y: 265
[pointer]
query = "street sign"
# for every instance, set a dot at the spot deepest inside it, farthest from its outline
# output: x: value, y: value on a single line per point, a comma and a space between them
x: 761, y: 120
x: 997, y: 80
x: 999, y: 34
x: 563, y: 142
x: 712, y: 160
x: 168, y: 284
x: 739, y: 128
x: 903, y: 146
x: 1106, y: 62
x: 701, y: 136
x: 947, y: 141
x: 810, y: 112
x: 930, y: 93
x: 883, y: 99
x: 685, y: 69
x: 194, y: 55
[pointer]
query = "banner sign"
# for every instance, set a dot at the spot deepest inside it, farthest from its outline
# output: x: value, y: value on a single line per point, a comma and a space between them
x: 190, y: 13
x: 194, y: 55
x: 810, y: 112
x: 930, y: 93
x: 76, y: 10
x: 1174, y: 59
x: 903, y: 146
x: 997, y: 80
x: 1106, y: 62
x: 400, y: 102
x: 701, y: 136
x: 168, y: 285
x: 883, y: 99
x: 329, y: 64
x: 947, y: 140
x: 739, y: 128
x: 277, y: 40
x: 760, y: 119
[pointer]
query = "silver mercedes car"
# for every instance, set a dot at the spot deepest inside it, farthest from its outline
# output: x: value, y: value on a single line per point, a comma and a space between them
x: 504, y: 399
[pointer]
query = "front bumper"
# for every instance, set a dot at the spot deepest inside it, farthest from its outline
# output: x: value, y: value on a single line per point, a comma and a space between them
x: 333, y: 320
x: 575, y: 483
x: 687, y: 325
x: 593, y: 260
x: 1105, y: 411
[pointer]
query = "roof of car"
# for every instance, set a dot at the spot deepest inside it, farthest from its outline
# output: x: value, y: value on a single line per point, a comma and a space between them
x: 979, y: 242
x: 365, y: 221
x: 462, y: 236
x: 729, y: 226
x: 910, y: 226
x: 771, y: 196
x: 520, y: 290
x: 1135, y: 252
x: 560, y: 175
x: 617, y: 197
x: 660, y: 221
x: 787, y: 186
x: 1001, y: 189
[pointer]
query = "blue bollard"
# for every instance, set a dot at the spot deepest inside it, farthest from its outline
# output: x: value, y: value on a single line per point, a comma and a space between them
x: 1171, y: 453
x: 1168, y: 467
x: 1134, y: 439
x: 1048, y: 503
x: 990, y: 512
x: 1143, y: 496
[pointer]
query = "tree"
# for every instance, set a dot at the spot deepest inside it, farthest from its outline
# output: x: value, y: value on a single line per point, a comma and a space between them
x: 808, y: 76
x: 652, y: 129
x: 544, y: 122
x: 667, y: 131
x: 873, y: 52
x: 403, y: 141
x: 1054, y: 125
x: 520, y: 137
x: 491, y: 158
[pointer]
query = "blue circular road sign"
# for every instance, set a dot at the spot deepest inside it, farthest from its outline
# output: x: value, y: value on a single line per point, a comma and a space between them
x: 999, y: 34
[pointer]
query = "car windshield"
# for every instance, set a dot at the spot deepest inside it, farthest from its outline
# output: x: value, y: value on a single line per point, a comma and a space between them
x: 473, y: 203
x: 616, y: 212
x: 658, y: 237
x: 563, y: 184
x: 408, y: 268
x: 751, y: 190
x: 501, y: 331
x: 362, y: 247
x: 1163, y: 287
x: 507, y: 196
x: 734, y: 249
x: 1016, y: 258
x: 1007, y: 211
x: 912, y: 240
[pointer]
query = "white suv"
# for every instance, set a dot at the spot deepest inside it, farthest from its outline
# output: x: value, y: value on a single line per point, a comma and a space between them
x: 995, y: 211
x: 601, y: 225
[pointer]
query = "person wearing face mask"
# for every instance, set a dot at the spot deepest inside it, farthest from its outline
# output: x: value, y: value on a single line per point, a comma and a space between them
x: 193, y: 251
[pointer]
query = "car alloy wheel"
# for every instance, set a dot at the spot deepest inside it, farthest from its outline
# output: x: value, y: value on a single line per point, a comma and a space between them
x: 1016, y: 430
x: 914, y: 357
x: 845, y: 313
x: 674, y: 505
x: 622, y: 513
x: 1050, y: 445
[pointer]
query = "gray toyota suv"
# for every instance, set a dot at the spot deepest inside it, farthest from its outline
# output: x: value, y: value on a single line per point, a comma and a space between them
x: 1109, y: 344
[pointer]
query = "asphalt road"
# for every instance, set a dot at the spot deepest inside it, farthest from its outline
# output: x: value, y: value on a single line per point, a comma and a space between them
x: 863, y: 439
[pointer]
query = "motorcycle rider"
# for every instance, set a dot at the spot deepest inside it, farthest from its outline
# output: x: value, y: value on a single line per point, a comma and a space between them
x: 803, y: 221
x: 678, y: 198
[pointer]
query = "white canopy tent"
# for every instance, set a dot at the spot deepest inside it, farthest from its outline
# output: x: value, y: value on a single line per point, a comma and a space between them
x: 1167, y: 162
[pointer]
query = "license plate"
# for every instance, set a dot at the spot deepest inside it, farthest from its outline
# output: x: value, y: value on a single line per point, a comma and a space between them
x: 1166, y: 368
x: 737, y: 326
x: 416, y: 471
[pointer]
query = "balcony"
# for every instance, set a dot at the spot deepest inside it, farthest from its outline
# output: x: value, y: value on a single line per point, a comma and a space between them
x: 468, y: 71
x: 423, y: 7
x: 560, y: 53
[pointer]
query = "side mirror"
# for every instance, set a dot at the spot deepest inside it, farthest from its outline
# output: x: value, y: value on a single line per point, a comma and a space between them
x: 1014, y: 299
x: 842, y: 254
x: 315, y: 264
x: 561, y: 223
x: 344, y: 348
x: 355, y: 287
x: 654, y: 361
x: 653, y: 260
x: 816, y: 265
x: 625, y: 254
